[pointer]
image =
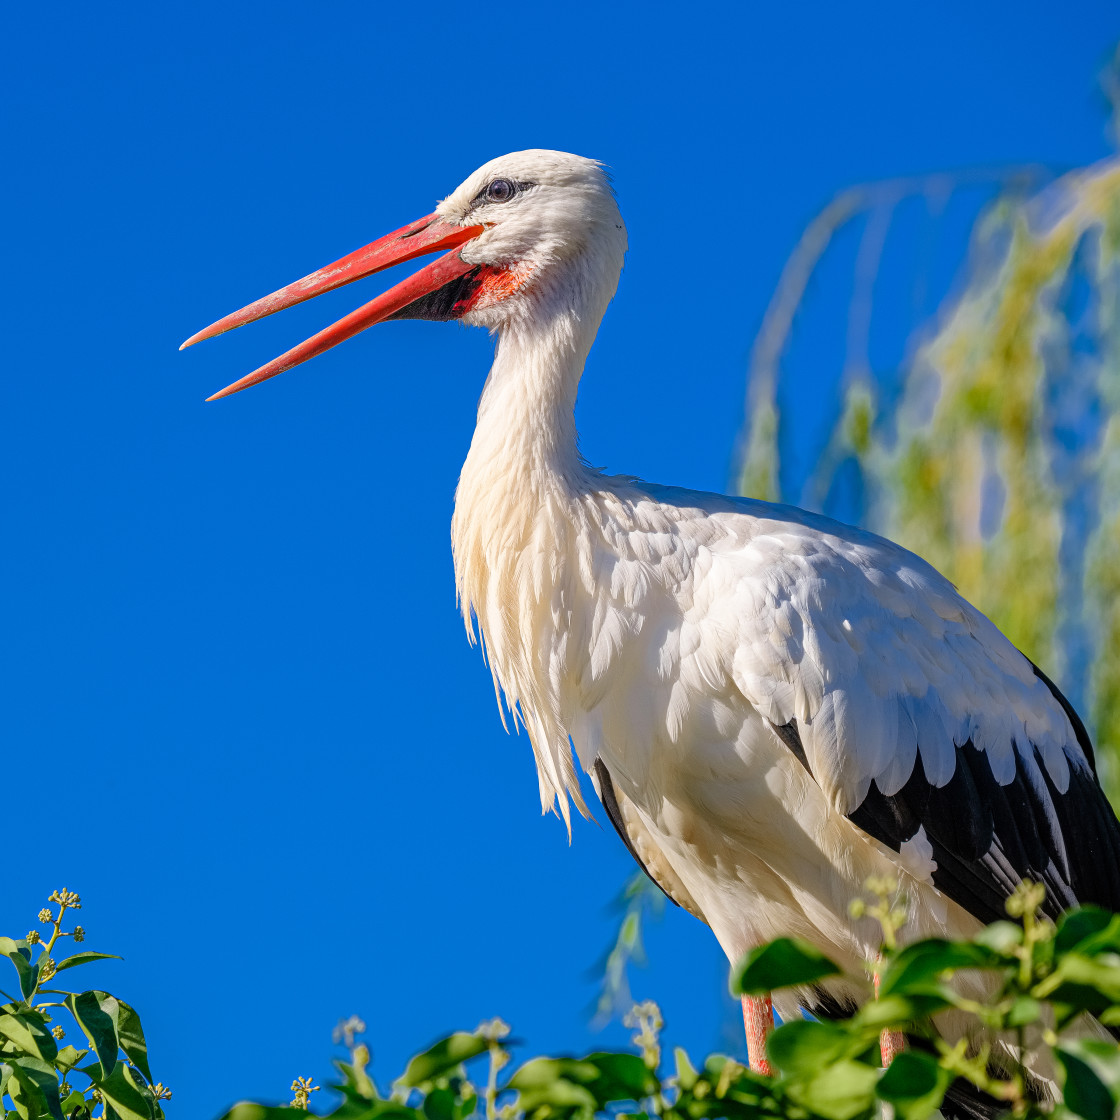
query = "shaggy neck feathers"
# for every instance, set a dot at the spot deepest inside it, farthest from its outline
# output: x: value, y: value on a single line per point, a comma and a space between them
x: 518, y: 514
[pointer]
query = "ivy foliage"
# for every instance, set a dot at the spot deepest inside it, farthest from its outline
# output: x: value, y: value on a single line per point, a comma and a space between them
x: 1029, y: 986
x: 109, y: 1073
x: 1039, y: 981
x: 1025, y: 985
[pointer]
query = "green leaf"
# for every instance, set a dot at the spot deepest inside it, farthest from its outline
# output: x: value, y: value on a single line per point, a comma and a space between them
x: 1023, y: 1011
x: 379, y: 1110
x: 551, y: 1087
x: 1000, y: 937
x: 37, y: 1087
x: 800, y: 1048
x: 19, y: 954
x: 28, y: 1103
x: 918, y: 967
x: 356, y: 1081
x: 784, y: 963
x: 1084, y: 1089
x: 620, y: 1077
x: 914, y: 1084
x: 130, y: 1097
x: 1086, y: 930
x: 98, y: 1014
x: 1076, y: 925
x: 439, y: 1104
x: 69, y: 1057
x: 841, y: 1091
x: 686, y: 1072
x: 74, y: 1101
x: 1103, y: 1058
x: 84, y: 958
x: 250, y: 1110
x: 898, y: 1010
x: 1087, y: 983
x: 744, y: 1088
x: 132, y: 1038
x: 29, y: 1032
x: 442, y: 1059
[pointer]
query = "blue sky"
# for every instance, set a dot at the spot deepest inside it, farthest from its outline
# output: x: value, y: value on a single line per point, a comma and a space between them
x: 240, y: 714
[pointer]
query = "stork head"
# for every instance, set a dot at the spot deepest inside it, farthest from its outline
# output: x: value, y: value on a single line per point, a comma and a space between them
x: 528, y: 235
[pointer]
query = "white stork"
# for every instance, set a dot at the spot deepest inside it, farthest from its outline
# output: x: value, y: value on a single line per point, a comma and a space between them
x: 772, y: 706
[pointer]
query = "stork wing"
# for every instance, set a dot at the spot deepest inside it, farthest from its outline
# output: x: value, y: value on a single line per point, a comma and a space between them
x: 628, y: 824
x: 919, y: 720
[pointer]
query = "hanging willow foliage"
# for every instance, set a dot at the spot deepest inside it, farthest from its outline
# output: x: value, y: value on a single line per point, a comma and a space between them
x: 994, y: 452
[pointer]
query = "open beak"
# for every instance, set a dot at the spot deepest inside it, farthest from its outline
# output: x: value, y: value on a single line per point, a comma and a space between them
x: 427, y: 235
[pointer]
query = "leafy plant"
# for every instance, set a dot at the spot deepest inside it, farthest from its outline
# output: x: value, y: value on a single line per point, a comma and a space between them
x: 1018, y: 986
x: 1029, y: 987
x: 35, y: 1074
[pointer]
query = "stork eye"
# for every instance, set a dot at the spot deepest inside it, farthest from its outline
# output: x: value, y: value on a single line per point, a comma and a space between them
x: 500, y: 190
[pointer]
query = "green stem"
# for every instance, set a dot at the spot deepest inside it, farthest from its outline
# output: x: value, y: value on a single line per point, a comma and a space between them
x: 1021, y: 1070
x: 974, y: 1069
x: 492, y: 1083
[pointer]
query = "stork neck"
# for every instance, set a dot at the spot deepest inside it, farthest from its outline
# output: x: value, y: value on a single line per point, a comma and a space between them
x: 526, y: 415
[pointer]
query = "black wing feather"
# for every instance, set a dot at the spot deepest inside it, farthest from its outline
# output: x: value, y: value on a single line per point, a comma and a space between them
x: 604, y: 786
x: 987, y: 837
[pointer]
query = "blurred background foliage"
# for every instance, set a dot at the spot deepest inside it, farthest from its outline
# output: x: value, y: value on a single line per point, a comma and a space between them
x: 989, y: 440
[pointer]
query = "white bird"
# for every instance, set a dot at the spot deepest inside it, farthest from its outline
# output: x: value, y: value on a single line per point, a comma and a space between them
x: 772, y: 706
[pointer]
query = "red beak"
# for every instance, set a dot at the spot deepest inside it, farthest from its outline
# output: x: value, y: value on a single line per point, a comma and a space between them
x: 427, y: 235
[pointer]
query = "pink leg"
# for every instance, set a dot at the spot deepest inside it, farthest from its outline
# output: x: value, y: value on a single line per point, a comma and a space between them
x: 891, y: 1043
x: 758, y: 1018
